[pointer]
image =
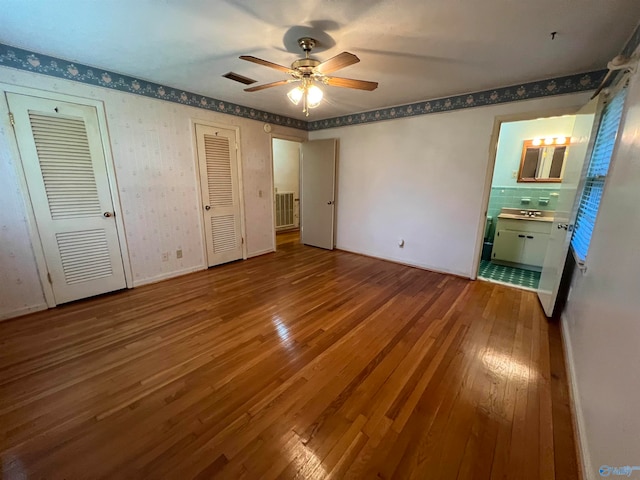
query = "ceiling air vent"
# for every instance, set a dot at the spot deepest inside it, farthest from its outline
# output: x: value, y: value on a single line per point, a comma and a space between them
x: 239, y: 78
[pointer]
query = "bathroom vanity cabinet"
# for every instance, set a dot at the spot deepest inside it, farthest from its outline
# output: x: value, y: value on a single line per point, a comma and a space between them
x: 522, y: 241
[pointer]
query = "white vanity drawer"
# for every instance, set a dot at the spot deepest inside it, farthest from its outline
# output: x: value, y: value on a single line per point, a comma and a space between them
x: 524, y: 225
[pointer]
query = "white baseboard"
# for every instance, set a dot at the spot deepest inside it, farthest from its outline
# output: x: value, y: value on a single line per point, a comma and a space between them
x: 584, y: 461
x: 18, y: 312
x: 404, y: 262
x: 260, y: 252
x: 168, y: 275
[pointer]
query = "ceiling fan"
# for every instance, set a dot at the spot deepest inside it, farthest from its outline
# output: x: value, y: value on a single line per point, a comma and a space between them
x: 309, y: 71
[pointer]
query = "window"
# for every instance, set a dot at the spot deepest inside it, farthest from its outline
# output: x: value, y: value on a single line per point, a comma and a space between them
x: 597, y: 174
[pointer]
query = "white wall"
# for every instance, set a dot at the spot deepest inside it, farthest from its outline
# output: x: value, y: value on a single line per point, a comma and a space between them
x: 20, y: 289
x: 156, y: 174
x: 512, y: 136
x: 602, y: 318
x: 286, y: 171
x: 423, y: 179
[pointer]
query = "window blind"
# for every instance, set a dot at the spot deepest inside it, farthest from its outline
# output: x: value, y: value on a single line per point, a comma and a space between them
x: 597, y: 174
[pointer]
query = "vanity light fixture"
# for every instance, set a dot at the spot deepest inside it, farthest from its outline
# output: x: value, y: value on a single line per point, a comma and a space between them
x: 536, y: 142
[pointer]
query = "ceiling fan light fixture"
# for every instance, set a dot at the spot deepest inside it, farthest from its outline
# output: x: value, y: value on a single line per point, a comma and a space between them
x: 296, y: 95
x: 314, y: 96
x: 310, y: 72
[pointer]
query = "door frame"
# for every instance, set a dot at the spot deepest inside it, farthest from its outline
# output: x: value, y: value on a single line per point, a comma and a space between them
x: 34, y: 234
x: 493, y: 151
x: 290, y: 138
x: 197, y: 121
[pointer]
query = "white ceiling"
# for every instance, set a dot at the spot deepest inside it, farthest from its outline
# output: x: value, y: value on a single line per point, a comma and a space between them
x: 415, y: 49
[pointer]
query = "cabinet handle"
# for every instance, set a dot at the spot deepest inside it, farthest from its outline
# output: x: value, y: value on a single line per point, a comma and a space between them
x: 529, y: 236
x: 521, y: 236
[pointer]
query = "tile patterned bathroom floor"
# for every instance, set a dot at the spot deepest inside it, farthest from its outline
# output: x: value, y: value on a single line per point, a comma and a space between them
x: 512, y: 275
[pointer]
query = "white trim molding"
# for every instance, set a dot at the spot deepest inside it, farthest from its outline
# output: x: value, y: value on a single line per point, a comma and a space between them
x: 582, y: 447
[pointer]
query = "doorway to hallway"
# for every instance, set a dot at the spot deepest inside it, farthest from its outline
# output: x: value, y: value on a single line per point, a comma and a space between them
x: 286, y: 189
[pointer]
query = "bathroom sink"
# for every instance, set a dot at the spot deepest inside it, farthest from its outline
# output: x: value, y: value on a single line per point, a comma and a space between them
x: 522, y: 214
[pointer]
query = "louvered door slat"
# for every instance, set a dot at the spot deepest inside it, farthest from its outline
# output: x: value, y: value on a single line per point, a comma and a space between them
x: 218, y: 160
x: 61, y: 169
x: 58, y: 139
x: 49, y: 148
x: 224, y: 233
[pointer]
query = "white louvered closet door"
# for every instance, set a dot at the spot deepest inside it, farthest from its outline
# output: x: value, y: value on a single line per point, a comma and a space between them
x: 64, y: 164
x: 217, y: 156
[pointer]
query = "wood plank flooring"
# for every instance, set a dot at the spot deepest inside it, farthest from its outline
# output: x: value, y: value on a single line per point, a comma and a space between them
x: 304, y: 364
x: 287, y: 238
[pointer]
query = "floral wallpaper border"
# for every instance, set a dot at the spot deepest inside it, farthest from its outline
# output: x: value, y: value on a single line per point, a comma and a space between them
x: 542, y: 88
x: 526, y: 91
x: 55, y: 67
x: 47, y: 65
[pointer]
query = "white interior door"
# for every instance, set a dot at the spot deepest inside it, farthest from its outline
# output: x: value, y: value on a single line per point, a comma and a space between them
x: 219, y: 181
x: 566, y: 210
x: 64, y: 163
x: 318, y: 172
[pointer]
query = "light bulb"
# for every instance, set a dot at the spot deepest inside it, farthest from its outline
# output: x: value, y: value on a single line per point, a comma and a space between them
x: 548, y: 141
x: 561, y: 140
x: 296, y: 95
x: 314, y: 96
x: 536, y: 142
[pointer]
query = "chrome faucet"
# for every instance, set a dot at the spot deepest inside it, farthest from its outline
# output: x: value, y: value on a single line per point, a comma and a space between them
x: 531, y: 213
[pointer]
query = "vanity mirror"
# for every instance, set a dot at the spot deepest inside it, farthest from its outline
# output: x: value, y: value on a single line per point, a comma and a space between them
x: 543, y: 160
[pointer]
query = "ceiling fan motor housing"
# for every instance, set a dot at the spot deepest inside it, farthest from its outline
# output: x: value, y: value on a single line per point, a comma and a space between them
x: 306, y: 43
x: 305, y: 65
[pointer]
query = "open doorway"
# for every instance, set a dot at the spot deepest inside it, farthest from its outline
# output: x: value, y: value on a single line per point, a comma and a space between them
x: 286, y: 191
x: 527, y: 179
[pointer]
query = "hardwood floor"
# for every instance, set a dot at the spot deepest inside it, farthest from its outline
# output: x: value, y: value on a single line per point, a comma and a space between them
x: 287, y: 238
x: 300, y: 364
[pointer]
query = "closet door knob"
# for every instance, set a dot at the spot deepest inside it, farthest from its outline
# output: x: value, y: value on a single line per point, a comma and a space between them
x: 207, y: 207
x: 108, y: 214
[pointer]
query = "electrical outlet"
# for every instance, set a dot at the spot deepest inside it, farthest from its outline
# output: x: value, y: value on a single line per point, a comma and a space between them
x: 514, y: 174
x: 179, y: 253
x: 165, y: 257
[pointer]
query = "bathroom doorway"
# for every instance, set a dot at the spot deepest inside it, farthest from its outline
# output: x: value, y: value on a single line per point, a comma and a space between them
x: 286, y: 190
x: 527, y: 177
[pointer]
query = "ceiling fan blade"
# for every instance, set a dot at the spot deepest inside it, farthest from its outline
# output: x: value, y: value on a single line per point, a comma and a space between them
x: 266, y: 85
x: 265, y: 63
x: 341, y: 60
x: 351, y: 83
